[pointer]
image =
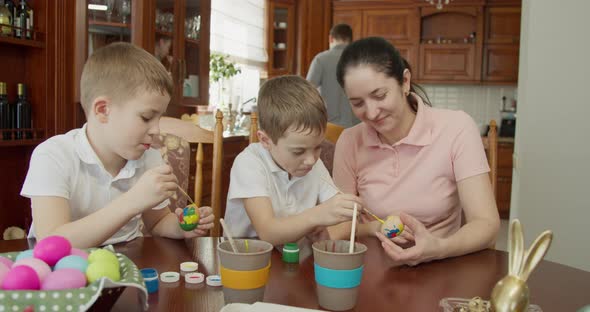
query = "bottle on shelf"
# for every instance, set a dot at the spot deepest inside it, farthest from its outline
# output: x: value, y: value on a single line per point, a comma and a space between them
x: 5, y: 116
x: 22, y: 21
x: 23, y: 114
x: 29, y: 22
x: 5, y: 19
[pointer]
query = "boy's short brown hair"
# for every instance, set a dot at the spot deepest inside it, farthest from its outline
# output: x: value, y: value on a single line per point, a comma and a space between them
x: 290, y: 101
x: 119, y: 71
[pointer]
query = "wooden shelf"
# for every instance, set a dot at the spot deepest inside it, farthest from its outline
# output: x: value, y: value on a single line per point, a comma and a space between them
x: 164, y: 33
x: 454, y: 44
x: 192, y: 41
x: 190, y: 101
x: 279, y: 50
x: 31, y: 142
x: 22, y: 42
x: 108, y: 24
x: 37, y: 136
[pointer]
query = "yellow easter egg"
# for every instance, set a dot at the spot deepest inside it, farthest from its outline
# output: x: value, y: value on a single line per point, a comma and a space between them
x: 100, y: 269
x: 392, y: 227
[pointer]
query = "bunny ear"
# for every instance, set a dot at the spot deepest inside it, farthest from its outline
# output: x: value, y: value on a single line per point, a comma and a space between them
x: 536, y: 253
x: 516, y: 248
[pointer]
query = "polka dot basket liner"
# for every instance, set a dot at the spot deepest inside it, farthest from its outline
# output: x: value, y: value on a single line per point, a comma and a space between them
x: 98, y: 296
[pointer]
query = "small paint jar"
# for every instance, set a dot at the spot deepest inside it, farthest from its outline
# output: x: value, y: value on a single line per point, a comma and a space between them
x: 188, y: 267
x: 150, y: 276
x: 291, y: 253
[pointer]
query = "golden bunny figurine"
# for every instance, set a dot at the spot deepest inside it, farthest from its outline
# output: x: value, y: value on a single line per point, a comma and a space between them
x: 511, y: 294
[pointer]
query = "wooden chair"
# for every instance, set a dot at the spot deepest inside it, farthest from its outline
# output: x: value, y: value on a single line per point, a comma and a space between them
x: 333, y: 132
x: 192, y: 133
x: 491, y: 146
x: 253, y: 127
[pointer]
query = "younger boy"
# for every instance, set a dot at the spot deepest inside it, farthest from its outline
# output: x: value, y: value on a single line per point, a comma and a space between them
x: 100, y: 184
x: 279, y: 191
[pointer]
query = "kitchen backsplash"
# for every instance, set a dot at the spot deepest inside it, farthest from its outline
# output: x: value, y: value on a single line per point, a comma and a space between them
x: 483, y: 103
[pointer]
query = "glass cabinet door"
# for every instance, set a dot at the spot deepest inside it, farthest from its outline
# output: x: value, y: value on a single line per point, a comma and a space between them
x: 165, y: 30
x: 108, y: 21
x: 192, y: 46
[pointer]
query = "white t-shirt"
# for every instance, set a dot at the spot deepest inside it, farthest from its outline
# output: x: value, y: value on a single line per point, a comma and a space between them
x: 255, y: 174
x: 67, y: 166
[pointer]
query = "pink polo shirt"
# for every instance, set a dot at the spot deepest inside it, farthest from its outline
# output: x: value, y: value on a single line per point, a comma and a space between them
x: 418, y: 174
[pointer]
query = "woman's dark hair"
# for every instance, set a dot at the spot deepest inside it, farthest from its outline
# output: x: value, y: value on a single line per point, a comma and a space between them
x: 384, y: 58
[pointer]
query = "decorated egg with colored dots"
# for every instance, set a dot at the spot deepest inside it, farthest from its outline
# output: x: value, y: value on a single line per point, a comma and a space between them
x: 190, y: 218
x: 51, y: 249
x: 392, y: 227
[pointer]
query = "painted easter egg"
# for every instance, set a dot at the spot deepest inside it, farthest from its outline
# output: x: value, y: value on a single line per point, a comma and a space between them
x: 80, y: 253
x: 64, y: 279
x: 100, y: 269
x: 39, y: 266
x: 52, y: 248
x: 24, y: 254
x: 190, y: 218
x: 103, y: 255
x: 392, y: 227
x: 72, y: 262
x: 6, y: 261
x: 21, y: 278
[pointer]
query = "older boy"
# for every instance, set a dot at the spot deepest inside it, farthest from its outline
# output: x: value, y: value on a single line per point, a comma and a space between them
x: 279, y: 191
x: 102, y: 183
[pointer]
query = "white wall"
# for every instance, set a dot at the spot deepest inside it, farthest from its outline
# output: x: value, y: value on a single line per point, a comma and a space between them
x: 483, y: 103
x: 551, y: 188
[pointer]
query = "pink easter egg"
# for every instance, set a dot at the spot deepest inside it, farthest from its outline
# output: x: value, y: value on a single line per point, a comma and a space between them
x: 64, y: 279
x: 39, y: 266
x: 3, y: 270
x: 6, y: 261
x: 51, y: 249
x: 21, y: 278
x: 80, y: 253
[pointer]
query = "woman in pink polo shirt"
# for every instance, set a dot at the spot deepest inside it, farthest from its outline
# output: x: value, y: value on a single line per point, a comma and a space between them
x: 406, y: 158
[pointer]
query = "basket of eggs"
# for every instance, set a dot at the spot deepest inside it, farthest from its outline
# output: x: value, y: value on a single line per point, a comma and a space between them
x: 56, y: 277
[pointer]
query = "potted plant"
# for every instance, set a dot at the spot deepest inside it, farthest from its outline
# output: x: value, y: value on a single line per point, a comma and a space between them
x: 221, y: 70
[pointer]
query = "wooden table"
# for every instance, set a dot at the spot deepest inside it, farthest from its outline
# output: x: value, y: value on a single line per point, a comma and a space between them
x: 554, y: 287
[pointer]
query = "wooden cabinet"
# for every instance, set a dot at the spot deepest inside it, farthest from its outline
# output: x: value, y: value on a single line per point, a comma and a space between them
x: 281, y: 37
x: 400, y: 26
x: 447, y: 62
x: 397, y: 26
x: 504, y: 180
x: 450, y: 44
x: 39, y: 64
x: 502, y: 43
x: 176, y: 32
x: 186, y: 25
x: 500, y: 62
x: 313, y: 21
x: 502, y: 25
x: 352, y: 18
x: 468, y: 41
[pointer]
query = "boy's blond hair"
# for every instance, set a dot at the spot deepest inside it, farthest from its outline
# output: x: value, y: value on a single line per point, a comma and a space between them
x: 290, y: 101
x: 119, y: 71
